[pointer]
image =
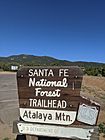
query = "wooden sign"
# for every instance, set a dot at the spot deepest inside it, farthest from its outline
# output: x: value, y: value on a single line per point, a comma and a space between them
x: 50, y: 103
x: 75, y: 132
x: 49, y: 95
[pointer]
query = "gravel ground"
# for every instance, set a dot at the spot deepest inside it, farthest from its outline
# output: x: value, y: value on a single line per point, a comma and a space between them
x: 8, y: 104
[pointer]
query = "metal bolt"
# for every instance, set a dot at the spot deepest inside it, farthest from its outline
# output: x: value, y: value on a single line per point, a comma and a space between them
x: 22, y: 75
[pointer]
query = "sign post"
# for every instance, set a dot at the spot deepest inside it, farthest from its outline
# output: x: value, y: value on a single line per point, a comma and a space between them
x: 50, y: 103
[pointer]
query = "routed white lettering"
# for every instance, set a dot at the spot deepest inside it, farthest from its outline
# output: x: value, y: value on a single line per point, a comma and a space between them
x: 55, y: 93
x: 47, y: 103
x: 41, y: 72
x: 30, y: 72
x: 46, y: 83
x: 63, y: 72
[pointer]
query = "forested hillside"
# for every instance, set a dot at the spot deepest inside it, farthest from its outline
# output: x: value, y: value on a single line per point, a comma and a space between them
x: 89, y: 68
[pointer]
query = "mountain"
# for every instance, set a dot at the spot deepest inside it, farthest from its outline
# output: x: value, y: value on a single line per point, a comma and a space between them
x: 31, y: 60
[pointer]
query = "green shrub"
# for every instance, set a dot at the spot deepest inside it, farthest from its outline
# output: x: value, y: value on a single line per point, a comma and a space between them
x: 102, y: 128
x: 6, y: 138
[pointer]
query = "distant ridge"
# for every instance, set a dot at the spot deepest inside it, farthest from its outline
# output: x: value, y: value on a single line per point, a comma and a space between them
x: 31, y: 60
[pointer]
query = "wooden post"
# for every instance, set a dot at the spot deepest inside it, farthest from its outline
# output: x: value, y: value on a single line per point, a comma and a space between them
x: 21, y: 137
x: 29, y: 137
x: 47, y: 138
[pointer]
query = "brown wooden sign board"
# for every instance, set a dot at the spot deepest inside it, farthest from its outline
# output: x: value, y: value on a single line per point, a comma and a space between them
x: 47, y: 85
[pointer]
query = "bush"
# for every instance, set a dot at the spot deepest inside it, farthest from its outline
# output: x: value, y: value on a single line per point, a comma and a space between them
x: 102, y: 128
x: 6, y: 138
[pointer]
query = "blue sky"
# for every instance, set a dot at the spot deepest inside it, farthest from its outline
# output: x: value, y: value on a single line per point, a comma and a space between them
x: 65, y: 29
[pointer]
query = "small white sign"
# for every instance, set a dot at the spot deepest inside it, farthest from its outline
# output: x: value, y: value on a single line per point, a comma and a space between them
x: 55, y: 131
x: 14, y: 67
x: 87, y: 114
x: 48, y: 116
